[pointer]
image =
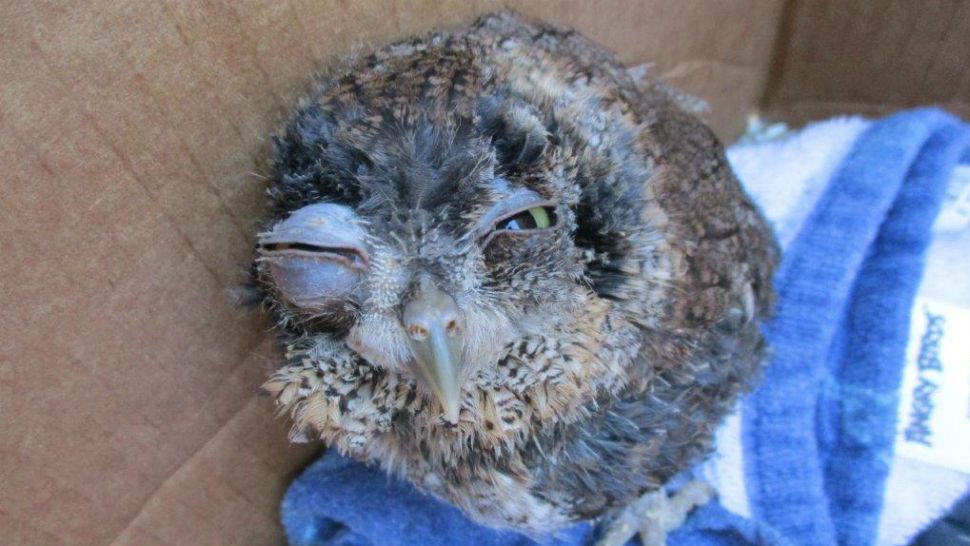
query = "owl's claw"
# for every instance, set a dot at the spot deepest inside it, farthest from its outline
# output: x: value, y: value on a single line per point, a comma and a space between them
x: 655, y: 514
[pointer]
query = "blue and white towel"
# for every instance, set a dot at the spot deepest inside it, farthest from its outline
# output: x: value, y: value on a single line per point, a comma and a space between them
x: 860, y: 433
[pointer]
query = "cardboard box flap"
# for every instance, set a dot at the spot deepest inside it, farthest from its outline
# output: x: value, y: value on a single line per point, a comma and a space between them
x: 836, y: 57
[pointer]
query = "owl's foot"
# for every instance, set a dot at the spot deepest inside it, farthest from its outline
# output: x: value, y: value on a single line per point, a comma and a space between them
x: 655, y: 514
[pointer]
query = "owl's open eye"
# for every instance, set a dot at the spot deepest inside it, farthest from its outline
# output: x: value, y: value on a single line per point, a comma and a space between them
x: 314, y: 256
x: 521, y: 213
x: 533, y: 218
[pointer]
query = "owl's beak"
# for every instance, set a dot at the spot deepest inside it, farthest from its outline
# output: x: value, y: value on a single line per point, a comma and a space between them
x: 436, y: 334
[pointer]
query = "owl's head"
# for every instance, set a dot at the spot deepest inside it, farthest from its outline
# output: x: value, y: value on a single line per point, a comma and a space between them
x: 425, y: 247
x: 426, y: 234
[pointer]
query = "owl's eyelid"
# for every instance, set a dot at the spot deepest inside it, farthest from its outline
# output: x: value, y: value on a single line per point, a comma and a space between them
x: 322, y: 225
x: 509, y: 202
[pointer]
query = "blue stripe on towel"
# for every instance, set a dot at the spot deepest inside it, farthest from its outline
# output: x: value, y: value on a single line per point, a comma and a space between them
x: 818, y: 441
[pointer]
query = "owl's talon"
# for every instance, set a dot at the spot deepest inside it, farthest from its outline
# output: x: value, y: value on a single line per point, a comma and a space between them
x: 655, y: 514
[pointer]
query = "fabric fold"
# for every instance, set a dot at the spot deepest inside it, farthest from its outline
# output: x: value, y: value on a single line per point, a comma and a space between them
x: 818, y: 436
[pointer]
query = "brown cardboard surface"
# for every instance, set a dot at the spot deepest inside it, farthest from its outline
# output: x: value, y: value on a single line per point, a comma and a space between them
x: 870, y: 57
x: 130, y: 133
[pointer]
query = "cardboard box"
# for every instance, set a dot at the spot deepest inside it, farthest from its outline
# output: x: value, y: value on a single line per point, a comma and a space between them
x: 133, y: 136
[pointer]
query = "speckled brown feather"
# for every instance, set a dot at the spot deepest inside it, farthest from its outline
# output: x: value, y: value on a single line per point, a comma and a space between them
x: 609, y: 350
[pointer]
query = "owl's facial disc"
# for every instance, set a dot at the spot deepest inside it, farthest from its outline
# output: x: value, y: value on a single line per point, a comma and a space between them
x: 316, y: 255
x: 406, y: 314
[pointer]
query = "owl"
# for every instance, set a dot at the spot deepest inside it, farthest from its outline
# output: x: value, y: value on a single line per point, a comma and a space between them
x: 510, y: 273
